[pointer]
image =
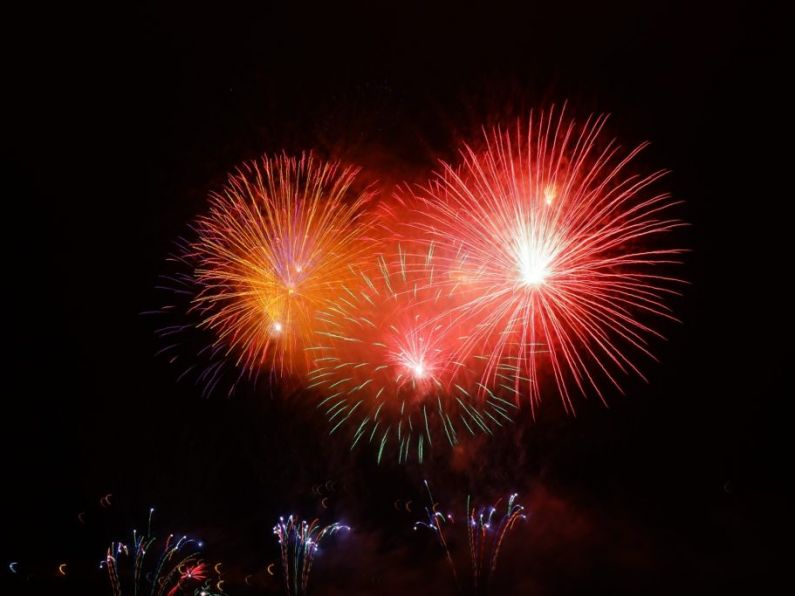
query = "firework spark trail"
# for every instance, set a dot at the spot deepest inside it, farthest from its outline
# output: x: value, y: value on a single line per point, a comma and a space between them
x: 189, y: 573
x: 485, y: 537
x: 383, y: 360
x: 555, y: 237
x: 298, y: 543
x: 178, y: 564
x: 436, y: 522
x: 277, y: 242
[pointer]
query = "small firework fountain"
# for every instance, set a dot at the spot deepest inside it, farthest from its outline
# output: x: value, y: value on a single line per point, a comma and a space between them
x: 486, y: 532
x: 299, y: 542
x: 175, y: 570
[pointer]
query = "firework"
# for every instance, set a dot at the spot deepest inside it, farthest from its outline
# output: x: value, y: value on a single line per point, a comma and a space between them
x: 485, y: 536
x: 384, y: 364
x: 436, y: 521
x: 558, y: 251
x: 486, y: 532
x: 299, y: 542
x: 276, y: 243
x: 177, y: 568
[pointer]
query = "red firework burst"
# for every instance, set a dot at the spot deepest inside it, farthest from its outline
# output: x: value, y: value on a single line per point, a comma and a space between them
x: 383, y: 360
x: 557, y: 245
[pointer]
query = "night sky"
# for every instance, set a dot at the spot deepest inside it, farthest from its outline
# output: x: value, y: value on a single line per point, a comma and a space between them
x: 124, y: 119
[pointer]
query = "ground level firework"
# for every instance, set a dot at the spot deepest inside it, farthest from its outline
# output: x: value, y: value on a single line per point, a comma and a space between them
x: 299, y: 541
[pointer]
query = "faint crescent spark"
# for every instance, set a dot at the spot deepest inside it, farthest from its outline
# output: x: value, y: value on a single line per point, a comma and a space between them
x: 270, y: 570
x: 408, y: 506
x: 323, y: 502
x: 82, y: 517
x: 13, y: 566
x: 220, y: 584
x: 395, y: 505
x: 245, y: 579
x: 217, y: 568
x: 62, y: 568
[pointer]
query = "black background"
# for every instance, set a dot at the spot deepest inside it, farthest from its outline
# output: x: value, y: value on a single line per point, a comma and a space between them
x: 124, y: 119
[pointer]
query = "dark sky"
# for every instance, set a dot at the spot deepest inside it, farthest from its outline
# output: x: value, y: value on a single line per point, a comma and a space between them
x: 124, y: 119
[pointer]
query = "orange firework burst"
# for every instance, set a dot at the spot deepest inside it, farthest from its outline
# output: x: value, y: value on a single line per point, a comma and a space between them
x: 276, y: 243
x: 556, y: 243
x: 384, y: 361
